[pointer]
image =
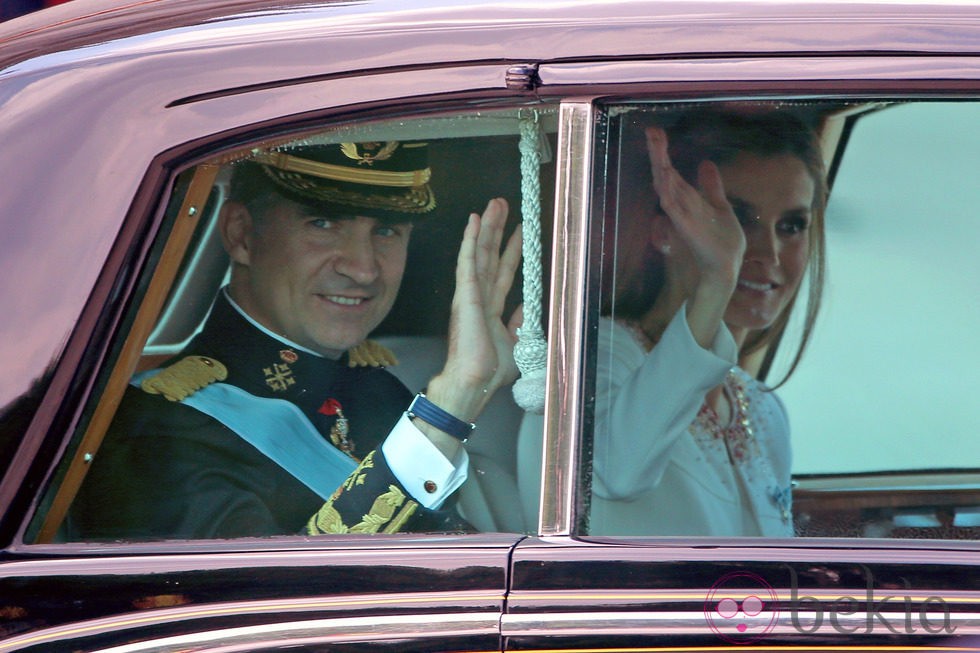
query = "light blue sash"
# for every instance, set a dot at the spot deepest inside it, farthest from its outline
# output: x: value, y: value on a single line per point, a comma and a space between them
x: 278, y: 429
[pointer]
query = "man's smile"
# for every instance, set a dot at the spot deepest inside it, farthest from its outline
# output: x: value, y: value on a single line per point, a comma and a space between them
x: 345, y: 301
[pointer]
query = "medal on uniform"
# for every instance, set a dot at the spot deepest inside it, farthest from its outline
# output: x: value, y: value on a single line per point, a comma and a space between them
x: 340, y: 431
x: 279, y: 376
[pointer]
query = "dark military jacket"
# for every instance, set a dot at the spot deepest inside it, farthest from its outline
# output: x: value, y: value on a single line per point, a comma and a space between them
x: 166, y: 470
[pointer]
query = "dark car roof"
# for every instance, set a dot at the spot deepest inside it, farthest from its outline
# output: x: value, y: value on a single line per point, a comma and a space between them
x: 497, y: 27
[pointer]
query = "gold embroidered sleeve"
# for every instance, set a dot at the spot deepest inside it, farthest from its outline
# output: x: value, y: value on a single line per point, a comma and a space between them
x: 387, y: 511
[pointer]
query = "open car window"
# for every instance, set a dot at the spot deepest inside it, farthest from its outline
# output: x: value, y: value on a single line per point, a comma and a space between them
x: 869, y: 431
x: 156, y: 459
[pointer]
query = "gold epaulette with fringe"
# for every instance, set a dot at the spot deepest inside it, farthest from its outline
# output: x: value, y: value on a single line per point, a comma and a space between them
x: 185, y: 377
x: 371, y: 354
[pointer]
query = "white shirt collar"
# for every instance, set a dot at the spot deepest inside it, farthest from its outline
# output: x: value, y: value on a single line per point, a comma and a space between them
x: 264, y: 330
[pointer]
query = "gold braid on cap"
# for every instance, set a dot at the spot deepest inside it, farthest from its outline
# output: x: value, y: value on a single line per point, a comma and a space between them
x: 418, y: 199
x: 366, y: 176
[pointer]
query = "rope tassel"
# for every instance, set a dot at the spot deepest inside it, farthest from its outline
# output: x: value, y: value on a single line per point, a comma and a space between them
x: 531, y: 350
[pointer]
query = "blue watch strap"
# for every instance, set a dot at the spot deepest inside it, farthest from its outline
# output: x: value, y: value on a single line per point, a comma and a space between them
x: 429, y: 413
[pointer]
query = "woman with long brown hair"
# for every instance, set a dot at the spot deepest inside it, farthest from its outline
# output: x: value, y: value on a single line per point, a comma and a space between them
x: 688, y: 441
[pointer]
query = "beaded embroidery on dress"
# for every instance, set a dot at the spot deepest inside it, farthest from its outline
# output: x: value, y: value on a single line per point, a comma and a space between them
x: 737, y: 436
x: 738, y: 441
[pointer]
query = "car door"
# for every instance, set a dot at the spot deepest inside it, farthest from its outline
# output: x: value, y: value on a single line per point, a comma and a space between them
x: 167, y: 115
x: 885, y: 489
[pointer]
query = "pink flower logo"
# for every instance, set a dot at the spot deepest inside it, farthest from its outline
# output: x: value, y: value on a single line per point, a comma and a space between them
x: 741, y: 608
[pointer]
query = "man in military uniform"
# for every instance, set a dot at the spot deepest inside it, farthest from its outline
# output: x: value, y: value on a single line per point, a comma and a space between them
x: 278, y: 417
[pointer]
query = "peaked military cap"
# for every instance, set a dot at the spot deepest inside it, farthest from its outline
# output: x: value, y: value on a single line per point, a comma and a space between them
x: 387, y: 180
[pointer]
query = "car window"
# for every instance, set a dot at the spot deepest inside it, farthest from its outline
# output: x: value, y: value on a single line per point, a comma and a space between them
x: 244, y: 398
x: 897, y: 334
x: 773, y: 360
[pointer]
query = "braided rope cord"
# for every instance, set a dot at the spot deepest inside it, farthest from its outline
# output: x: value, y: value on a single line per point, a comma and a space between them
x: 531, y: 350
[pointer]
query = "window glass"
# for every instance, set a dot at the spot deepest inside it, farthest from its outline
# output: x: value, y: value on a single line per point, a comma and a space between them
x: 786, y: 332
x: 262, y: 384
x: 893, y: 435
x: 902, y: 233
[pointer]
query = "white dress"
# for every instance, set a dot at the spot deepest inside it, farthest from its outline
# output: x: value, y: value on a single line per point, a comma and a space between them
x: 663, y: 465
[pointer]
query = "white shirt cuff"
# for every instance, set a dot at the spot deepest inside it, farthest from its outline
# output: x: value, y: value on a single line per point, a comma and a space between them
x: 420, y: 467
